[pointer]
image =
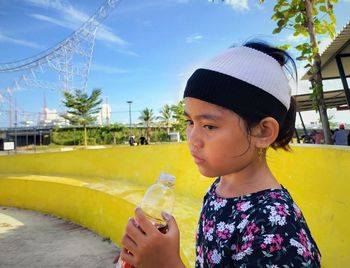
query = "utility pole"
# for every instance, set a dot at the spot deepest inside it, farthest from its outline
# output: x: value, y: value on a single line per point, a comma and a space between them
x: 129, y: 102
x: 107, y: 112
x: 16, y: 126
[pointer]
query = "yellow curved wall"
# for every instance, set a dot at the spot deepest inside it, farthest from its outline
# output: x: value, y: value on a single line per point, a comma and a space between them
x: 317, y: 177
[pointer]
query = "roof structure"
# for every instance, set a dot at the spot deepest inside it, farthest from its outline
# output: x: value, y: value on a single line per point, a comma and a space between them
x: 339, y: 46
x: 335, y: 64
x: 333, y: 99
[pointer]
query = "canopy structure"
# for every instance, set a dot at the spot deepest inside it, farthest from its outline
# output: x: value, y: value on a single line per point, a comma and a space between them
x: 335, y: 63
x: 333, y: 99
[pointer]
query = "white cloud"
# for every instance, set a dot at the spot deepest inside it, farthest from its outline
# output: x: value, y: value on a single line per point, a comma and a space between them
x: 72, y: 18
x: 21, y: 42
x: 193, y: 38
x: 238, y: 4
x: 53, y: 21
x: 107, y: 69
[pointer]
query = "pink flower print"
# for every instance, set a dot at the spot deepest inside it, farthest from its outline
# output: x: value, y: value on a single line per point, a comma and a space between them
x: 224, y: 234
x: 208, y: 230
x: 199, y: 257
x: 281, y: 210
x: 307, y: 245
x: 200, y: 250
x: 275, y: 195
x: 278, y: 214
x: 297, y: 210
x: 241, y: 252
x: 252, y: 229
x: 214, y: 256
x: 224, y: 231
x: 303, y: 245
x: 243, y: 224
x: 218, y: 203
x: 243, y: 206
x: 277, y: 239
x: 248, y: 239
x: 274, y: 241
x: 246, y: 246
x: 208, y: 225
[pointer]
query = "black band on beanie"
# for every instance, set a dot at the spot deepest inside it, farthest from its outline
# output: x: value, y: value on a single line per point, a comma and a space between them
x: 245, y: 99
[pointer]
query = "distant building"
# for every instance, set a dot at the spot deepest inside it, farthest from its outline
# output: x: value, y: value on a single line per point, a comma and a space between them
x: 174, y: 136
x: 51, y: 117
x: 105, y: 115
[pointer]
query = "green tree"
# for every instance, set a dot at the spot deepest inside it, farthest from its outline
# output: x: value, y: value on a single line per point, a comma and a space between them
x: 180, y: 119
x: 147, y: 118
x: 309, y: 18
x: 81, y: 108
x: 166, y: 117
x: 115, y: 129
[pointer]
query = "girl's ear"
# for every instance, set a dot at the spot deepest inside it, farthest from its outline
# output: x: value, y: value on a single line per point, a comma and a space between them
x: 266, y: 132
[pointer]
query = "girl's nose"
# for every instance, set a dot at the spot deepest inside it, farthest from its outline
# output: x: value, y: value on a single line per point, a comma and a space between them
x: 194, y: 138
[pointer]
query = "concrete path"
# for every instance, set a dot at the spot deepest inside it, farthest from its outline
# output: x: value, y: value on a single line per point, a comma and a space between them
x: 33, y: 240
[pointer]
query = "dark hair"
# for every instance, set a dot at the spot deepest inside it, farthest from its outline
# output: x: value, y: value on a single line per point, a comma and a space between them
x: 287, y: 128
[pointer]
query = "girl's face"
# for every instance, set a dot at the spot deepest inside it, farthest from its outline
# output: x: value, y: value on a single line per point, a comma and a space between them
x: 217, y: 139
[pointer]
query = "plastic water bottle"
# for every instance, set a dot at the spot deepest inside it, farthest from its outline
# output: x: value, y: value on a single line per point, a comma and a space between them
x: 159, y: 197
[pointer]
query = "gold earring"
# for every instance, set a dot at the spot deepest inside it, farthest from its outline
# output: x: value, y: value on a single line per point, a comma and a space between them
x: 261, y: 154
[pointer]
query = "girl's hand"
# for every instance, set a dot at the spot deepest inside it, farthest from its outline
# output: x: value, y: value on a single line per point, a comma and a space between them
x: 145, y: 246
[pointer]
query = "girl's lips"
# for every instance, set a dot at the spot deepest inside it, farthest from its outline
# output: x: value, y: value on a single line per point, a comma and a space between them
x: 197, y: 159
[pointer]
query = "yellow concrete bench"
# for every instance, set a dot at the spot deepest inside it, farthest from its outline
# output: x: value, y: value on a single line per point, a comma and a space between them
x: 103, y: 206
x: 99, y: 189
x: 91, y: 189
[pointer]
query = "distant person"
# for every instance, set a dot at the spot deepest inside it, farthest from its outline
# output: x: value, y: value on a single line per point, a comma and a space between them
x: 319, y: 137
x: 132, y: 140
x: 340, y: 137
x: 142, y: 140
x: 313, y: 136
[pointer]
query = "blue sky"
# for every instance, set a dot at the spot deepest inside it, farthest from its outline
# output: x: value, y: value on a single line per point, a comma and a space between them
x: 144, y: 51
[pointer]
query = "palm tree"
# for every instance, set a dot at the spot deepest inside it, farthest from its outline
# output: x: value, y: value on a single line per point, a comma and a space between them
x: 82, y: 108
x: 146, y: 119
x: 166, y: 117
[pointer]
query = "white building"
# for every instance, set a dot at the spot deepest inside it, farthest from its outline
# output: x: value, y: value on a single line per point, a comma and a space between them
x: 52, y: 118
x: 105, y: 115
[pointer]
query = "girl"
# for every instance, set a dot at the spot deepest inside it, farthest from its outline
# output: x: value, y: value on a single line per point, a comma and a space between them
x: 237, y: 105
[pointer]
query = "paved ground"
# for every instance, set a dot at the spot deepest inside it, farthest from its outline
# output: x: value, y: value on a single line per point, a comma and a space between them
x: 31, y: 239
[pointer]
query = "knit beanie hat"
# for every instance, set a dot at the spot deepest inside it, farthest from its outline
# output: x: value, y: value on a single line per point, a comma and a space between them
x: 244, y: 80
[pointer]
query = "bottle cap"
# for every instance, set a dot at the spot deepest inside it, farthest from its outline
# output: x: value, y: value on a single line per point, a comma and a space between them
x: 165, y: 177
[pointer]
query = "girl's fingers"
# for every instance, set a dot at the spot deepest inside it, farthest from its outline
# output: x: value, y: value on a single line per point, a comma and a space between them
x: 173, y: 229
x: 129, y: 244
x: 143, y: 222
x: 116, y: 259
x: 133, y: 231
x: 127, y: 257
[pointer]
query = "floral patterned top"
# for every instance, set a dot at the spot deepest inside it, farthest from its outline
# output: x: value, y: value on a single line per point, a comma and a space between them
x: 262, y: 229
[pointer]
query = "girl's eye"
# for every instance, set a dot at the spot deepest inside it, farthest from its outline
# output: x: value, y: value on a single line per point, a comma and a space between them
x: 209, y: 127
x: 189, y: 122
